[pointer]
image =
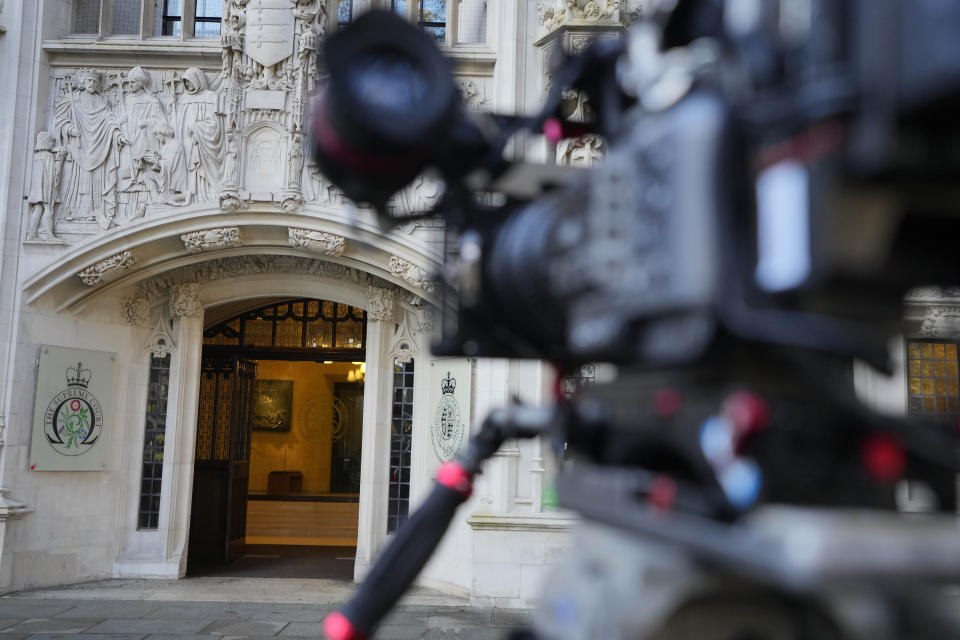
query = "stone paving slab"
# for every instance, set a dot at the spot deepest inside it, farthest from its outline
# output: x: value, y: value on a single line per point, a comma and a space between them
x: 9, y: 622
x: 109, y: 636
x: 155, y: 625
x: 218, y: 610
x: 99, y: 610
x: 235, y: 627
x: 41, y: 625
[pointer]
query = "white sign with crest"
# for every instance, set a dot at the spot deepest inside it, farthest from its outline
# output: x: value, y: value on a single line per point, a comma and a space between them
x: 73, y: 409
x: 269, y: 31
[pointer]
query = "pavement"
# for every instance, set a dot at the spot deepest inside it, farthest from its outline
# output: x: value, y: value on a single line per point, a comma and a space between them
x: 232, y: 609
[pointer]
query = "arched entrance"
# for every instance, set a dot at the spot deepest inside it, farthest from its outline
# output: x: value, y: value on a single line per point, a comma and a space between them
x: 276, y: 478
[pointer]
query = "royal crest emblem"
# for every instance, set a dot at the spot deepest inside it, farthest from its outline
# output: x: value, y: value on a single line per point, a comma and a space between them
x: 448, y: 429
x: 269, y: 31
x: 74, y: 418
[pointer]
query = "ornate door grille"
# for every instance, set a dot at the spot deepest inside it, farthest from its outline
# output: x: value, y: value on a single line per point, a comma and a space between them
x: 331, y: 329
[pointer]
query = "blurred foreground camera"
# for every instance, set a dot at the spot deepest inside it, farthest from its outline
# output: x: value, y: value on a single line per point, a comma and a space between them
x: 779, y: 174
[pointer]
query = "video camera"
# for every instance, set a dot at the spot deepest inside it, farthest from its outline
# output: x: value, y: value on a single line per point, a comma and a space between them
x: 779, y: 174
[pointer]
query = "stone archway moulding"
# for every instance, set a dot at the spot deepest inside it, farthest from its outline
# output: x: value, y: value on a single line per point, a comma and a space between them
x: 121, y: 258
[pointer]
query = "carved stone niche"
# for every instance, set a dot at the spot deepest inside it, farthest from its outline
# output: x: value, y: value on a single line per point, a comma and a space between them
x: 263, y: 164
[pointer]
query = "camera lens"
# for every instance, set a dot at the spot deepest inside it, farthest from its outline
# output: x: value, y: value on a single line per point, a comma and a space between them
x: 392, y: 84
x: 388, y: 106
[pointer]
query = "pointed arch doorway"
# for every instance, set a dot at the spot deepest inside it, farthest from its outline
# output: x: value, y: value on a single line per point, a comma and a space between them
x: 278, y: 446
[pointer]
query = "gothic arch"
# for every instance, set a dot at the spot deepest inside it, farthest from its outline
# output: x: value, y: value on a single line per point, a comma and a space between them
x: 123, y: 259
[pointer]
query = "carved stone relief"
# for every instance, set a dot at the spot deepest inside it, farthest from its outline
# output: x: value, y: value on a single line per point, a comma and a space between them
x: 135, y: 311
x: 211, y: 239
x: 316, y: 241
x: 556, y: 13
x: 159, y: 287
x: 109, y: 269
x: 410, y: 273
x: 123, y: 143
x: 185, y: 300
x: 941, y: 322
x: 581, y: 152
x: 473, y: 93
x: 160, y: 344
x: 379, y: 303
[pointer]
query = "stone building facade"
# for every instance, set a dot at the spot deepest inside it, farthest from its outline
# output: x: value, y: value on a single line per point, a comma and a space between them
x: 154, y: 182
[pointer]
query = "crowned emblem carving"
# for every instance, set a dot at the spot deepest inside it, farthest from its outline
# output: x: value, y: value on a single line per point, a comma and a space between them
x: 109, y: 269
x: 211, y: 239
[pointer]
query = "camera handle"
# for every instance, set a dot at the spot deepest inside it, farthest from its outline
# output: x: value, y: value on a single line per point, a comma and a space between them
x: 404, y: 558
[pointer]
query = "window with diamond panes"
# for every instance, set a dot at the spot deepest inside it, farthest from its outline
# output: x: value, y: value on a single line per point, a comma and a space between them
x: 401, y: 439
x: 153, y: 441
x: 933, y: 384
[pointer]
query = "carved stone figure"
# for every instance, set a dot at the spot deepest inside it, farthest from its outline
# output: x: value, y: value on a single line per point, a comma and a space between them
x: 168, y: 177
x: 142, y: 112
x: 580, y: 152
x: 184, y: 300
x: 44, y: 184
x: 200, y: 131
x: 87, y: 126
x: 379, y: 303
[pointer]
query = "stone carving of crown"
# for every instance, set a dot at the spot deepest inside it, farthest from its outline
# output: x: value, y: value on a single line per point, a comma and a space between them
x: 448, y: 384
x: 78, y: 376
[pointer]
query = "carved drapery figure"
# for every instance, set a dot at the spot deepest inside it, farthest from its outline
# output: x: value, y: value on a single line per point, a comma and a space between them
x: 89, y: 129
x: 200, y: 131
x: 168, y: 178
x: 44, y: 182
x: 143, y: 112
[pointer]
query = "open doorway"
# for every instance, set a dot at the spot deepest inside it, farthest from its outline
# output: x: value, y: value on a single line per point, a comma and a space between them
x: 279, y: 432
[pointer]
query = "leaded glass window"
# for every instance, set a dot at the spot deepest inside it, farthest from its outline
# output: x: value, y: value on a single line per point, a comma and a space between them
x: 126, y: 17
x: 207, y: 18
x: 86, y: 16
x: 155, y: 426
x: 401, y: 441
x: 344, y: 12
x: 432, y: 18
x: 572, y: 382
x: 172, y: 17
x: 933, y: 384
x: 336, y: 328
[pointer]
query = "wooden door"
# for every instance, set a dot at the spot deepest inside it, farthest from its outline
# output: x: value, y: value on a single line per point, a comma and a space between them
x: 222, y: 460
